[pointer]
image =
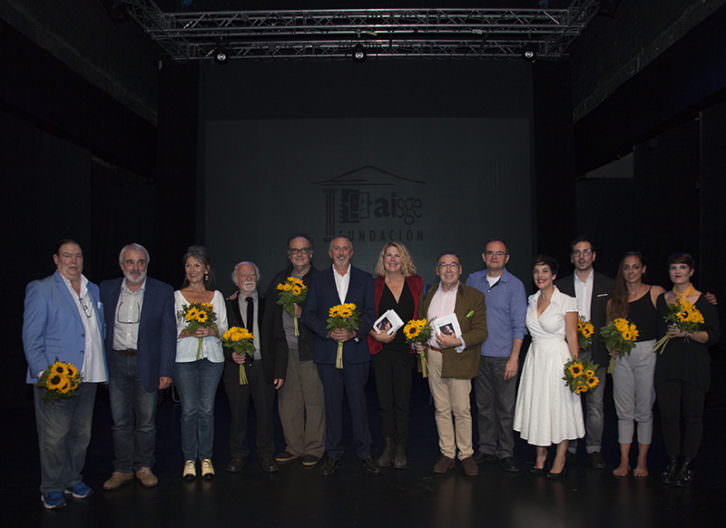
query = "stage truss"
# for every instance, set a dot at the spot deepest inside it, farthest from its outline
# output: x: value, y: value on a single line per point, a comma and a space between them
x: 307, y: 34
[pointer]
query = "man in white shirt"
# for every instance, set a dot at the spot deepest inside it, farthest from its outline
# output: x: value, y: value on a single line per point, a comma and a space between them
x: 63, y: 321
x: 591, y: 290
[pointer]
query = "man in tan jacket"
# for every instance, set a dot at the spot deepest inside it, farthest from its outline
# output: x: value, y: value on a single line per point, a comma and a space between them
x: 453, y: 361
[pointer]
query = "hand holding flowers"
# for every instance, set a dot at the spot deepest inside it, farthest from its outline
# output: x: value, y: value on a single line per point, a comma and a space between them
x: 682, y: 318
x: 585, y: 329
x: 580, y: 375
x: 418, y: 331
x: 60, y: 381
x: 619, y: 337
x: 201, y: 321
x: 292, y: 292
x: 241, y: 341
x: 342, y: 317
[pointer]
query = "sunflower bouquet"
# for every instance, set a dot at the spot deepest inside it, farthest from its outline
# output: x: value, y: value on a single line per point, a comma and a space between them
x: 585, y: 329
x: 342, y: 316
x: 293, y: 291
x: 580, y: 375
x: 60, y: 381
x: 418, y: 331
x: 619, y: 337
x: 684, y: 316
x: 241, y: 341
x: 198, y: 315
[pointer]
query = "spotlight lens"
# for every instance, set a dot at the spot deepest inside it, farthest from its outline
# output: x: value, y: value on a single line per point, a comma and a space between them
x: 529, y: 54
x: 221, y: 56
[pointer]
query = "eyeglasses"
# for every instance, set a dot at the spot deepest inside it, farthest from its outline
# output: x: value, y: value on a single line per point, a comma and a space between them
x: 448, y: 265
x: 86, y: 308
x: 582, y: 252
x: 128, y: 312
x: 298, y: 251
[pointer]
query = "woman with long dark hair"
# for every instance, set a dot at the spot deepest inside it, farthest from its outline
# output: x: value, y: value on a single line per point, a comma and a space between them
x: 683, y: 372
x: 199, y: 363
x: 633, y: 389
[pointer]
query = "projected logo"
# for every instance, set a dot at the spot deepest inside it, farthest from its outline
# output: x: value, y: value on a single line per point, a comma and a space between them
x: 369, y: 204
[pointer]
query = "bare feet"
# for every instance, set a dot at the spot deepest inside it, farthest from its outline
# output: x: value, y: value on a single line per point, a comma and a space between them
x: 640, y: 471
x: 622, y: 470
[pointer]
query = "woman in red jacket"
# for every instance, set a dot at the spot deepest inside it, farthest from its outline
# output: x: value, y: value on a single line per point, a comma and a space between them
x: 398, y: 288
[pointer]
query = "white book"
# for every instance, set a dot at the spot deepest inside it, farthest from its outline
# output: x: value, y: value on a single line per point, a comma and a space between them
x: 389, y: 322
x: 448, y: 324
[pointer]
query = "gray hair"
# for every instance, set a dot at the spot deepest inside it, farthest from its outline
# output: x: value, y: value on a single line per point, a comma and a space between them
x: 330, y: 246
x: 250, y: 263
x: 133, y: 245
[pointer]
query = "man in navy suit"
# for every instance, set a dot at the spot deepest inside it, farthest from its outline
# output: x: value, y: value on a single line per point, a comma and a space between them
x: 63, y: 321
x: 342, y: 283
x: 141, y: 348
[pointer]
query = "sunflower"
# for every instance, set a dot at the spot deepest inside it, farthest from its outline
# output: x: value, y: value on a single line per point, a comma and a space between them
x: 55, y: 381
x: 592, y: 382
x: 72, y: 370
x: 589, y: 373
x: 334, y: 311
x: 627, y: 335
x: 682, y: 315
x: 202, y: 317
x: 207, y: 307
x: 580, y: 389
x: 59, y: 368
x: 65, y: 387
x: 191, y: 314
x: 587, y: 330
x: 575, y: 370
x: 296, y: 290
x: 287, y: 287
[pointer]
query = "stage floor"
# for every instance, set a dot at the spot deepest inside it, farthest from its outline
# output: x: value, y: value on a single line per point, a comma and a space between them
x: 295, y: 496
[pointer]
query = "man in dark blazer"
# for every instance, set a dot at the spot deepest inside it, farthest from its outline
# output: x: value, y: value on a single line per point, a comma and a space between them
x: 342, y: 283
x: 591, y: 289
x: 141, y: 349
x: 265, y: 373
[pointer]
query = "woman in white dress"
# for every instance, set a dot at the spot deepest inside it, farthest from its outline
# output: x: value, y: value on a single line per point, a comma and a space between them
x: 547, y: 412
x: 199, y: 363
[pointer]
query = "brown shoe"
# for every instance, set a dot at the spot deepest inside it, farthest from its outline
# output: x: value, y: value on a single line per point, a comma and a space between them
x: 444, y: 464
x: 147, y: 478
x: 117, y: 480
x: 470, y: 466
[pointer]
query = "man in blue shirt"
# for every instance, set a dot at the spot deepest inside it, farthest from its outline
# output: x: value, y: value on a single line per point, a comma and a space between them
x: 495, y: 386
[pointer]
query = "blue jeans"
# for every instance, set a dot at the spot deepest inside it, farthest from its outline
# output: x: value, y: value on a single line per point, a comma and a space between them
x: 64, y: 431
x: 197, y: 383
x: 134, y: 413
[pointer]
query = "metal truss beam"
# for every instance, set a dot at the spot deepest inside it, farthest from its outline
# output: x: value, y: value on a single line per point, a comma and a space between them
x: 384, y: 32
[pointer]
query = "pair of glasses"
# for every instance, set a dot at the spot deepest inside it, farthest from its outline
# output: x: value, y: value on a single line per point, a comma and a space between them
x: 128, y: 312
x: 298, y: 251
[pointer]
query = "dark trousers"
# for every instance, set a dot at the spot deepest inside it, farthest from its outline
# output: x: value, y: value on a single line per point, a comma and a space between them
x: 263, y: 394
x: 352, y: 378
x: 394, y: 370
x: 676, y: 397
x: 495, y: 399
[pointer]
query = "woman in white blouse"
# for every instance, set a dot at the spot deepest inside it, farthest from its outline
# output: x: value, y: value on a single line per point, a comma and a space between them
x: 198, y: 368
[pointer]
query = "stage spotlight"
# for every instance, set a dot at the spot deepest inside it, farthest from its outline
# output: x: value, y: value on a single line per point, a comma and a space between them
x: 220, y: 54
x: 529, y: 53
x: 359, y: 53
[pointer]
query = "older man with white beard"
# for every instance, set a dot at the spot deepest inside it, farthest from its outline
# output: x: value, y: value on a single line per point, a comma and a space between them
x: 140, y: 350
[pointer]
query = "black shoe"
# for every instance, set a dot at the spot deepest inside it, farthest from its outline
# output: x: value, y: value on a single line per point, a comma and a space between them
x: 537, y: 472
x: 483, y: 458
x: 669, y: 475
x: 399, y: 457
x: 330, y: 466
x: 285, y: 457
x: 310, y: 461
x: 684, y: 477
x: 558, y: 476
x: 386, y: 458
x: 236, y: 464
x: 596, y: 460
x: 369, y: 466
x: 508, y: 464
x: 268, y: 464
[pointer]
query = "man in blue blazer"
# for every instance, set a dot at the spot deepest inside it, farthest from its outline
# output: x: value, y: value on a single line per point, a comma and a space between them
x: 342, y: 283
x: 63, y: 321
x: 141, y: 349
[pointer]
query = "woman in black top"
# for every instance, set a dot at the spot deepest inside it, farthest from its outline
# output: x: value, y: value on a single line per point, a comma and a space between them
x: 682, y: 373
x: 633, y: 390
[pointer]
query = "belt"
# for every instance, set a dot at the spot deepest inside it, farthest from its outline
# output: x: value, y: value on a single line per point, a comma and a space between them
x: 434, y: 348
x: 127, y: 352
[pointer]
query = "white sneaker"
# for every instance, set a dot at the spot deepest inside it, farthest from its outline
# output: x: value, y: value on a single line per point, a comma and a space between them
x: 190, y: 470
x: 207, y: 469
